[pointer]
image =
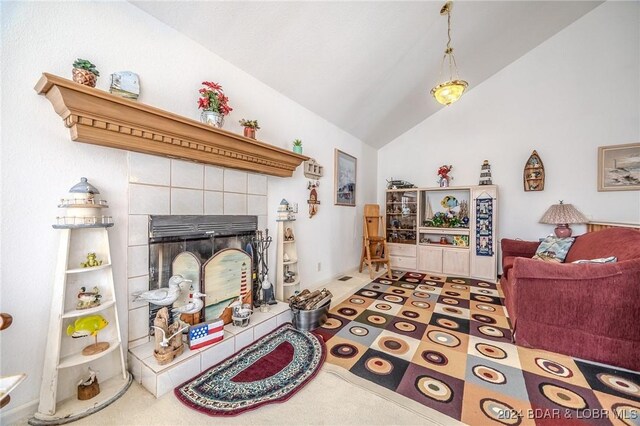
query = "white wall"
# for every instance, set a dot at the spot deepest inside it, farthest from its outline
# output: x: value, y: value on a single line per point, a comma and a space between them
x: 40, y: 163
x: 557, y: 100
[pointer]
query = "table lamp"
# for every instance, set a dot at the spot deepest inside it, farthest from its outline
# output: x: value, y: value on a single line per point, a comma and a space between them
x: 562, y: 215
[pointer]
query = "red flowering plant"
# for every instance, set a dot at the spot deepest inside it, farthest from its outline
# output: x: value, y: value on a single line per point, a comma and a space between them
x: 212, y: 98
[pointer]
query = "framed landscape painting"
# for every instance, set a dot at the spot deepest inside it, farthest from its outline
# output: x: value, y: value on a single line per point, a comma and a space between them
x: 345, y: 179
x: 619, y: 167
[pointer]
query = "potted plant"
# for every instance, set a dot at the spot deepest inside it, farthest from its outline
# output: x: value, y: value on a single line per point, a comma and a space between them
x: 297, y: 146
x: 250, y: 127
x: 214, y: 104
x: 84, y: 72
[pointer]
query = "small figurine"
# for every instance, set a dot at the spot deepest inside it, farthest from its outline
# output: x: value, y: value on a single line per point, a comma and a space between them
x: 485, y: 173
x: 194, y: 305
x: 89, y: 326
x: 444, y: 178
x: 162, y: 296
x: 88, y: 299
x: 167, y: 348
x: 91, y: 261
x: 89, y: 387
x: 288, y: 234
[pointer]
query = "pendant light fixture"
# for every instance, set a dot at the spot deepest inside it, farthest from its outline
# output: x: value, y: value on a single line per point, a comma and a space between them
x: 451, y: 90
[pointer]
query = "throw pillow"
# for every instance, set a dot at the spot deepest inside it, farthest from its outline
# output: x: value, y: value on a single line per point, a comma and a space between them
x: 610, y: 259
x: 554, y: 249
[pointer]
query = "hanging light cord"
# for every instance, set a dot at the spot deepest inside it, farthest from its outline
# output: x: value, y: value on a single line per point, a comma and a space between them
x: 449, y: 52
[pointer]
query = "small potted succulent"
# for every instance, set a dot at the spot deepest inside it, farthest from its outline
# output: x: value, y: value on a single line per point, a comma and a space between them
x: 84, y: 72
x: 250, y: 127
x: 297, y: 146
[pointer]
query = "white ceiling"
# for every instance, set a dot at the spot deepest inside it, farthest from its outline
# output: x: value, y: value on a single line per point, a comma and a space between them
x: 366, y: 66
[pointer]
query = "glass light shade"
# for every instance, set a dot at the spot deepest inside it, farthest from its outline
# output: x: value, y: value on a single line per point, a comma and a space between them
x: 449, y: 91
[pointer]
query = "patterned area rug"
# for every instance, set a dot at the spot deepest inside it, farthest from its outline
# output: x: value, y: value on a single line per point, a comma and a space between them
x: 270, y: 370
x: 441, y: 346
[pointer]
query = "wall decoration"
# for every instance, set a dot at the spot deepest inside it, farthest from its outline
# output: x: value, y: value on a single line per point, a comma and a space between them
x: 619, y: 167
x: 484, y: 226
x: 533, y: 175
x: 214, y: 104
x: 226, y: 280
x: 485, y: 173
x: 125, y: 84
x: 313, y: 198
x: 345, y: 179
x: 206, y: 333
x: 312, y: 169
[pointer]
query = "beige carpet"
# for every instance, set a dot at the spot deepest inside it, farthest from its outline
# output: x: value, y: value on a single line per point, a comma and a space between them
x: 326, y: 400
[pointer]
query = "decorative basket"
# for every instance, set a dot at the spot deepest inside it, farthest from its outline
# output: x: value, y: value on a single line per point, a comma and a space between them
x: 84, y: 77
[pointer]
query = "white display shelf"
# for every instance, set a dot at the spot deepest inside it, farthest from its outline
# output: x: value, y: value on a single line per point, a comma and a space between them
x: 296, y: 282
x: 72, y: 409
x: 450, y: 231
x: 290, y: 262
x: 80, y: 312
x: 78, y: 359
x: 161, y: 379
x: 91, y: 269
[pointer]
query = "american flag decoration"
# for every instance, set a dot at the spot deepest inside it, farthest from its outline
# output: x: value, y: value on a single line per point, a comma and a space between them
x: 206, y: 333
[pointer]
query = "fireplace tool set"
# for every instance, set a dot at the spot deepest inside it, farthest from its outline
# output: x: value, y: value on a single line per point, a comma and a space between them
x: 263, y: 289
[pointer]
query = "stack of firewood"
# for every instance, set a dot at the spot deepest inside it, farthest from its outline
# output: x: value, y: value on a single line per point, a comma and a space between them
x: 307, y: 300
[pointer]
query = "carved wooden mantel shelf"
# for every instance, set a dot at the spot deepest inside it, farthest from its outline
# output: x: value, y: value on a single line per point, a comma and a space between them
x: 100, y: 118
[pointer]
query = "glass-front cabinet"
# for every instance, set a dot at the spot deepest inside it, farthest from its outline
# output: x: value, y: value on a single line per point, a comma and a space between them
x: 401, y: 213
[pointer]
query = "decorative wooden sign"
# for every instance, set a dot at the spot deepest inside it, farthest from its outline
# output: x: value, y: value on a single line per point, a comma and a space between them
x: 227, y: 278
x: 313, y: 198
x: 533, y: 176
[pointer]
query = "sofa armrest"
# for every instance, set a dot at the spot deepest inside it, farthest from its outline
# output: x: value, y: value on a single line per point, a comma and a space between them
x: 598, y: 299
x: 518, y: 248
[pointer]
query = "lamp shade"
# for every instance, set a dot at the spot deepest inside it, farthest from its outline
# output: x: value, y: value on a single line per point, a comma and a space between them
x: 563, y: 214
x: 449, y: 92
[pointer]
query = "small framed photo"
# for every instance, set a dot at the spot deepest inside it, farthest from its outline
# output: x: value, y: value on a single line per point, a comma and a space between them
x: 345, y: 179
x: 619, y: 167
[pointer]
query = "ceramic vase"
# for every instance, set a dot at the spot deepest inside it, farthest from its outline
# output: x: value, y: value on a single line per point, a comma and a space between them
x: 212, y: 118
x: 297, y: 149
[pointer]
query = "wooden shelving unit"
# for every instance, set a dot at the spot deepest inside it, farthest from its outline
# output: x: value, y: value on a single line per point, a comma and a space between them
x: 100, y: 118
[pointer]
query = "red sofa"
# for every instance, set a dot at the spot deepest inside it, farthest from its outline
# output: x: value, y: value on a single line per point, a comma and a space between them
x: 588, y: 311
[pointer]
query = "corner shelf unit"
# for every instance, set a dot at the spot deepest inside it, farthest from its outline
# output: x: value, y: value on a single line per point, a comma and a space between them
x: 284, y: 290
x: 65, y: 364
x: 441, y: 248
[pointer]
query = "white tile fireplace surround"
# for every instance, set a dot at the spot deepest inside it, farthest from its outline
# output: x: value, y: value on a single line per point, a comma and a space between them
x: 164, y: 186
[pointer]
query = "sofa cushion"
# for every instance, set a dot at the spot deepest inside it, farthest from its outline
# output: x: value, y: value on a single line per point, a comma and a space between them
x: 553, y: 249
x: 623, y: 243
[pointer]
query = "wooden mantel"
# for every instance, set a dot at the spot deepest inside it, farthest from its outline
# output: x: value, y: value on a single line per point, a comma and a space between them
x: 100, y: 118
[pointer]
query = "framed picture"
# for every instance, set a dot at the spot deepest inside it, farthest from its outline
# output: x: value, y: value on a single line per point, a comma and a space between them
x: 345, y: 179
x: 619, y: 167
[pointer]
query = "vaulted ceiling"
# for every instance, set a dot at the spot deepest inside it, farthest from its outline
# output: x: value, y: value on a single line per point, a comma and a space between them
x: 365, y: 66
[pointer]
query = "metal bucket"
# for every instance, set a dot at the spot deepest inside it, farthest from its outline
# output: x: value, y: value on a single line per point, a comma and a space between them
x: 310, y: 320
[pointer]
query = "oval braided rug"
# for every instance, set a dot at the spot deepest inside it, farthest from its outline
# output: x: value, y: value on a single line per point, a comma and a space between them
x: 270, y: 370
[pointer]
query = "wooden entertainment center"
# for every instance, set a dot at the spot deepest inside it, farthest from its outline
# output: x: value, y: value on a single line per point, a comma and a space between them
x: 450, y: 230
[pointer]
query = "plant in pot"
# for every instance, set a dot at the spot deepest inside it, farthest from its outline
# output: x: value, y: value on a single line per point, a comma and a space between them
x: 250, y: 127
x: 84, y: 72
x: 213, y: 103
x: 297, y: 146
